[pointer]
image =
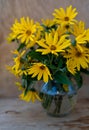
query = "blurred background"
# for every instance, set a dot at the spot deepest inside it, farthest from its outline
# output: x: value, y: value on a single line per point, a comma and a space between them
x: 35, y: 9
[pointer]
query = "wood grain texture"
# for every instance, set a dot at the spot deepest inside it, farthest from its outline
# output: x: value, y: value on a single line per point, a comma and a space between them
x: 19, y: 115
x: 35, y: 9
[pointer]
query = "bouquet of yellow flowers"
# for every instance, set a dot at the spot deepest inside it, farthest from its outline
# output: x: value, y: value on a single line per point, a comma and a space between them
x: 53, y: 50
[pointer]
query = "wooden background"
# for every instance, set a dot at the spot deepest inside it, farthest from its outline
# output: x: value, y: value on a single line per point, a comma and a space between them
x: 36, y: 9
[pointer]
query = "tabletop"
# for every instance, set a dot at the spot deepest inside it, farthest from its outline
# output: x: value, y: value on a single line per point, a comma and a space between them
x: 19, y: 115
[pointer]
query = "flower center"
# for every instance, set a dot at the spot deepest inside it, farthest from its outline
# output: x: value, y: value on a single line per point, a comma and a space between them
x: 42, y: 67
x: 78, y: 54
x: 53, y: 47
x: 28, y: 32
x: 66, y: 18
x: 67, y: 26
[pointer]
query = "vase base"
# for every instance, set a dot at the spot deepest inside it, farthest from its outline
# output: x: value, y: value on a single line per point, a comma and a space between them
x: 58, y: 115
x: 59, y: 107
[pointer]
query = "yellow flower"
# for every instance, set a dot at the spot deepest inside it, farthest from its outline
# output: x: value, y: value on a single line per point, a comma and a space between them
x: 39, y: 70
x: 16, y: 68
x: 87, y: 34
x: 65, y: 17
x: 30, y: 96
x: 78, y: 28
x: 37, y: 36
x: 12, y: 70
x: 48, y: 22
x: 65, y: 87
x: 64, y: 29
x: 71, y: 68
x: 11, y: 37
x: 77, y: 59
x: 21, y: 72
x: 24, y: 30
x: 61, y: 30
x: 19, y: 86
x: 17, y: 59
x: 81, y: 39
x: 53, y: 44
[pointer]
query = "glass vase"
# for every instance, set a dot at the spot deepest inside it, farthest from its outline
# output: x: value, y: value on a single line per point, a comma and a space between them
x: 57, y: 102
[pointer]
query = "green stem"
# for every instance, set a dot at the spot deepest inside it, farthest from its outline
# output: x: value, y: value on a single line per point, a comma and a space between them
x: 50, y: 59
x: 58, y: 105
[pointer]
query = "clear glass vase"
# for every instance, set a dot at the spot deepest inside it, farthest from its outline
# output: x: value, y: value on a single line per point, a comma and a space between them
x: 58, y: 103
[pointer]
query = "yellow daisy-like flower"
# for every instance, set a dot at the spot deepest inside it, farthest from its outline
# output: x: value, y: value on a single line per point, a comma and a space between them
x: 16, y: 68
x: 12, y: 70
x: 24, y: 30
x: 78, y: 28
x: 81, y: 39
x: 17, y: 59
x: 37, y: 36
x: 87, y: 34
x: 40, y: 70
x: 11, y: 37
x: 53, y: 44
x: 64, y: 29
x: 19, y: 86
x: 48, y: 22
x: 61, y: 30
x: 21, y: 72
x: 65, y: 87
x: 17, y: 72
x: 65, y: 17
x: 77, y: 59
x: 30, y: 96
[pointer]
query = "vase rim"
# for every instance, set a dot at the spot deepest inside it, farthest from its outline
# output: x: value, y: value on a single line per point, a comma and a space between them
x: 53, y: 91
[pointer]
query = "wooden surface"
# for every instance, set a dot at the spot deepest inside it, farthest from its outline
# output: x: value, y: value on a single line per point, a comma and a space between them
x: 36, y: 9
x: 18, y: 115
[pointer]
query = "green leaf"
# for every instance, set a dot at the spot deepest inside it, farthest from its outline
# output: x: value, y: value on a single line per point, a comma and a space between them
x: 27, y: 82
x: 37, y: 55
x: 49, y: 28
x: 60, y: 63
x: 21, y: 46
x: 78, y: 79
x: 62, y: 78
x: 53, y: 67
